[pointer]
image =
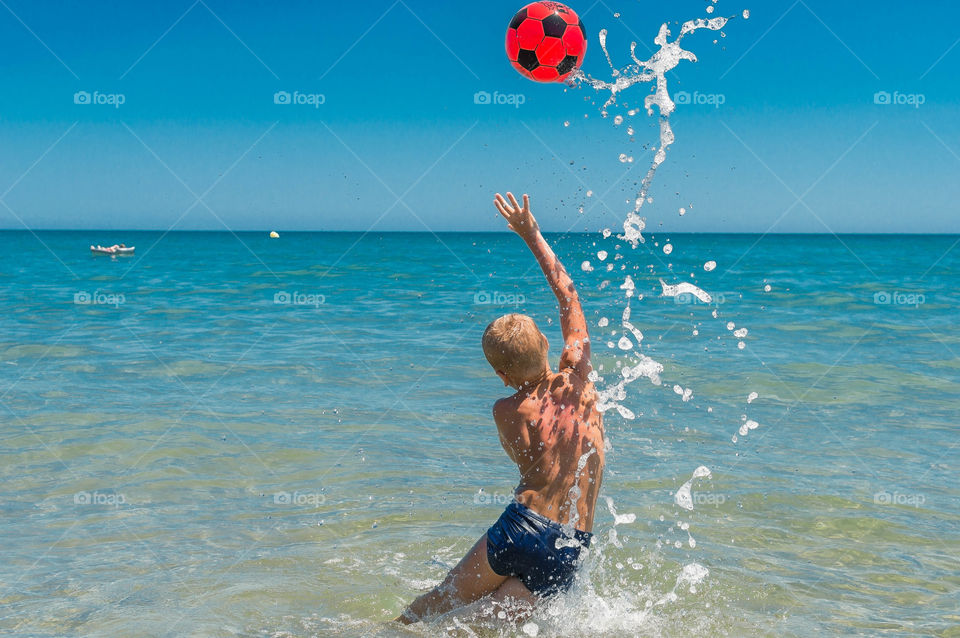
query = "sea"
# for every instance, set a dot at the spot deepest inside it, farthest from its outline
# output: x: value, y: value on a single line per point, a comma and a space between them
x: 226, y: 434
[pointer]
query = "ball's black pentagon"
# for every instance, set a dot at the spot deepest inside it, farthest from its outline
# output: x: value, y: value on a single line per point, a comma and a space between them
x: 554, y: 26
x: 528, y: 59
x: 517, y: 19
x: 583, y: 29
x: 566, y: 64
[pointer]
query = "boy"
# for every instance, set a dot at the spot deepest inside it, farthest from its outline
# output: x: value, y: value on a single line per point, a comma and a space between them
x: 551, y: 429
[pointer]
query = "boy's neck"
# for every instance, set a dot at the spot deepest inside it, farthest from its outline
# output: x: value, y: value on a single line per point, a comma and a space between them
x: 526, y: 385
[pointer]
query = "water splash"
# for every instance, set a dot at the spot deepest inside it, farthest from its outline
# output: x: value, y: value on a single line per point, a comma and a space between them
x: 573, y: 497
x: 685, y: 288
x: 747, y: 426
x: 683, y: 498
x: 639, y: 367
x: 654, y: 70
x: 618, y: 519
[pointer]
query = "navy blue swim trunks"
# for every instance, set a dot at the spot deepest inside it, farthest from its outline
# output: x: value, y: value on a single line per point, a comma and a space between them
x: 523, y: 543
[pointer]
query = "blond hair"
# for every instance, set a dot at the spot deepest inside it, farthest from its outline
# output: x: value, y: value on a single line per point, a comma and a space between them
x: 515, y: 346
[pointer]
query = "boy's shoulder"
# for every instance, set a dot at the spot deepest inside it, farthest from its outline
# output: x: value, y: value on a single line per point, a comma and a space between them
x: 505, y: 407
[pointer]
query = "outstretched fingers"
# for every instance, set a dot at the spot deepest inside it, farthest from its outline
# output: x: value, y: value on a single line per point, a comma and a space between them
x: 504, y: 211
x: 507, y: 211
x: 502, y: 203
x: 519, y: 218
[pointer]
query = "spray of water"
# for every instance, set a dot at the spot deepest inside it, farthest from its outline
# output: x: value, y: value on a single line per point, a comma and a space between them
x: 654, y: 70
x: 607, y: 598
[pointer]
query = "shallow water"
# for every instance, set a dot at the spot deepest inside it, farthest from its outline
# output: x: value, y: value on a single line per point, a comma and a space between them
x: 190, y: 457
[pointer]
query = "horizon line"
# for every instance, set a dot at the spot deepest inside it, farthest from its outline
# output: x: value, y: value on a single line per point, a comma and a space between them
x: 468, y: 232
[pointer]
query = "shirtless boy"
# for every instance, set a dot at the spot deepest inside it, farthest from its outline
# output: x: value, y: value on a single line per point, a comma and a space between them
x: 551, y: 429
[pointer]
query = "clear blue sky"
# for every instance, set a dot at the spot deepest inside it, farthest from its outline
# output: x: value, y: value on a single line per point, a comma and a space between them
x: 399, y: 118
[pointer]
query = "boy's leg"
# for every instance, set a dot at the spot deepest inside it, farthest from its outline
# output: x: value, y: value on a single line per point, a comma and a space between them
x: 469, y: 581
x: 514, y: 599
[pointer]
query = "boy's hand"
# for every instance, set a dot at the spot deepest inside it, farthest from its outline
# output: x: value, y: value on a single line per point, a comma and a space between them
x: 519, y: 219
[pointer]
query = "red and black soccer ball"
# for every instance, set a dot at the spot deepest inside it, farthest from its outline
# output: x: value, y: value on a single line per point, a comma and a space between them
x: 546, y: 41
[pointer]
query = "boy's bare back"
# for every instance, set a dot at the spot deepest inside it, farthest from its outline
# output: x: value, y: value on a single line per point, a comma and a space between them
x: 555, y: 435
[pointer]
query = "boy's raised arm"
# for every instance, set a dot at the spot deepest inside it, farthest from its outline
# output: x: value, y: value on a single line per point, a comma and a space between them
x: 576, y: 347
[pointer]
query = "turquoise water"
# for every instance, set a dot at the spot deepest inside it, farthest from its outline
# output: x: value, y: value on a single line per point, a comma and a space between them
x: 187, y: 454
